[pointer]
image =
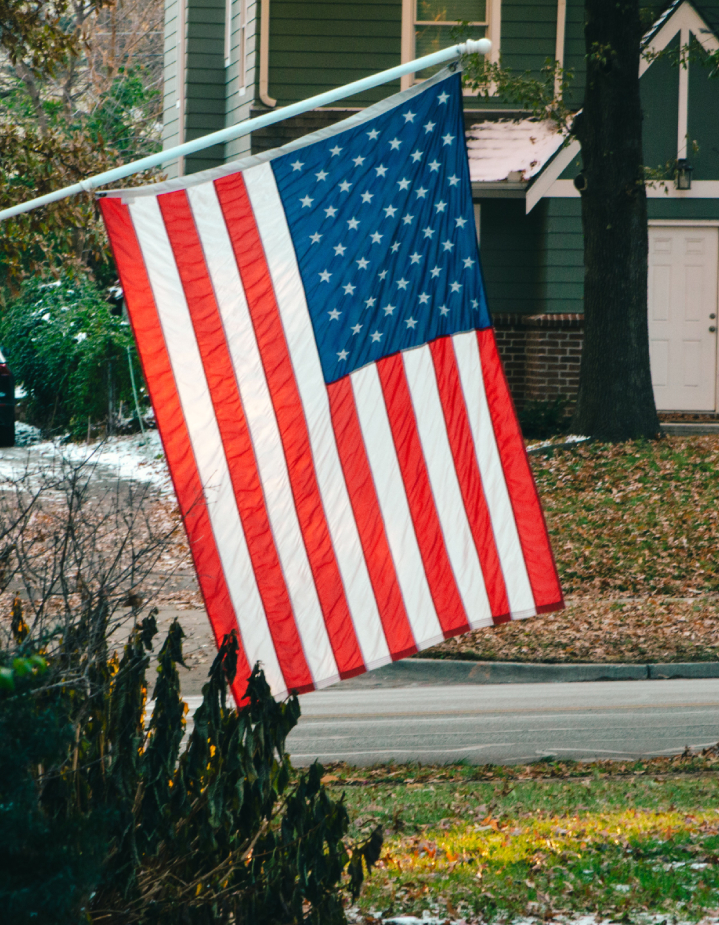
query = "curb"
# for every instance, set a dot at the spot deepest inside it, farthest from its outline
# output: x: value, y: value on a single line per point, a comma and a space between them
x: 709, y: 427
x: 424, y: 672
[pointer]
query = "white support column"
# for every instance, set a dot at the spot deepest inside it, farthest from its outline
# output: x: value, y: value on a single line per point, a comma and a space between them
x: 559, y: 46
x: 265, y: 55
x: 495, y: 28
x: 407, y: 46
x: 228, y: 32
x: 181, y: 78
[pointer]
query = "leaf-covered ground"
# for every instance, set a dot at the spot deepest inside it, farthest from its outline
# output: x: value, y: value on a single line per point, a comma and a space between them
x: 485, y: 844
x: 635, y: 530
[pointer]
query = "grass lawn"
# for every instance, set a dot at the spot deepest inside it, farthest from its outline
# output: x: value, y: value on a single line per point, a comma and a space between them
x: 488, y: 844
x: 635, y: 530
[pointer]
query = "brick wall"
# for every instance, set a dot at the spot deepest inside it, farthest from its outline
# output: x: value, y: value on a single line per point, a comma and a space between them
x: 512, y: 345
x: 541, y: 354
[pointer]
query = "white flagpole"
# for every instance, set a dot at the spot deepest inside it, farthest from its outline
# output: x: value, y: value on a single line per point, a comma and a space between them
x: 480, y: 46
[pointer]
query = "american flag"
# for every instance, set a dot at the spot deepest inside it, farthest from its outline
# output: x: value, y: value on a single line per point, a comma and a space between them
x: 318, y: 349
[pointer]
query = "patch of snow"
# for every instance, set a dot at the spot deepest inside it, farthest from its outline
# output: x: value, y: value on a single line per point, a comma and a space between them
x: 137, y: 458
x: 26, y: 434
x: 518, y: 147
x: 558, y: 441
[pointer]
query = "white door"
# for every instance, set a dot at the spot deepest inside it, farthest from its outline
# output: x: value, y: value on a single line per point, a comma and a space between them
x: 682, y: 317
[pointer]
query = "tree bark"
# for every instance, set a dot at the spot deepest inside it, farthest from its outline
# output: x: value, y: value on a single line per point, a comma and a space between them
x: 615, y: 400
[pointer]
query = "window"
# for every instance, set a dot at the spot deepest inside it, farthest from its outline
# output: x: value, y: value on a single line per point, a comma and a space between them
x: 435, y: 20
x: 427, y: 25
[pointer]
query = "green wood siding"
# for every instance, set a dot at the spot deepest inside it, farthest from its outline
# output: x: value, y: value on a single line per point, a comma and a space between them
x: 683, y: 209
x: 574, y: 50
x: 205, y: 75
x: 509, y: 249
x: 529, y: 33
x: 528, y: 39
x: 561, y: 256
x: 320, y: 45
x: 703, y: 125
x: 533, y: 263
x: 660, y: 100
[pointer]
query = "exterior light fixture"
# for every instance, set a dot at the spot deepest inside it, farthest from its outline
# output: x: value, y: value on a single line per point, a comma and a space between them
x: 683, y: 174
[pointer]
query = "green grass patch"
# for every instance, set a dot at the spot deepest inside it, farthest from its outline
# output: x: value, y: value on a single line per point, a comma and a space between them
x: 578, y: 840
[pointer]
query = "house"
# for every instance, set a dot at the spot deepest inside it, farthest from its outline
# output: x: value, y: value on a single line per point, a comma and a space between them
x: 231, y: 59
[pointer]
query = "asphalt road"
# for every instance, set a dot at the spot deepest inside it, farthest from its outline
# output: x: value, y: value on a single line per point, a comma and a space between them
x: 506, y: 723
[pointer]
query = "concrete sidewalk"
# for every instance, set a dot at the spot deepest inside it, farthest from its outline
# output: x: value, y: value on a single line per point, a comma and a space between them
x: 199, y: 648
x: 415, y: 672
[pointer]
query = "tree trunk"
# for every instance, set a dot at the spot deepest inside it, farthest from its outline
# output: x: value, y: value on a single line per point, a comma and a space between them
x: 615, y: 400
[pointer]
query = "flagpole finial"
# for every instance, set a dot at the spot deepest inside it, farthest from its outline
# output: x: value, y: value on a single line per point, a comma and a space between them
x: 475, y: 47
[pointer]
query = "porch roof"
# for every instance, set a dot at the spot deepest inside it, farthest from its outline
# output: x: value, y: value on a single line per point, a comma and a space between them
x: 505, y: 155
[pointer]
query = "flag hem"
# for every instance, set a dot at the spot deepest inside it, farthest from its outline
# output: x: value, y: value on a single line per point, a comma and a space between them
x: 214, y: 173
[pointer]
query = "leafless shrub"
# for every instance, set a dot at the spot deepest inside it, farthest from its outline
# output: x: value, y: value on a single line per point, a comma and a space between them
x: 82, y: 555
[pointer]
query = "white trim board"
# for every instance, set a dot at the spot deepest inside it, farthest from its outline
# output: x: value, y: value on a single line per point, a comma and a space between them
x: 701, y: 189
x: 559, y: 42
x: 684, y: 222
x: 547, y: 179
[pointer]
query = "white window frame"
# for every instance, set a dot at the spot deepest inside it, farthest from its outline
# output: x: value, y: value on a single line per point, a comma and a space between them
x: 409, y: 22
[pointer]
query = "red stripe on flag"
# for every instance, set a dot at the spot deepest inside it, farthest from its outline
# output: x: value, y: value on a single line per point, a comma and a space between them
x: 528, y: 513
x: 438, y: 569
x: 368, y: 517
x: 236, y: 440
x: 173, y: 430
x: 266, y: 320
x: 470, y: 479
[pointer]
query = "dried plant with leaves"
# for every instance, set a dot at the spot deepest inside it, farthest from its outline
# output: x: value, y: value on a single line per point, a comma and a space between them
x: 91, y: 101
x: 79, y: 555
x: 106, y: 817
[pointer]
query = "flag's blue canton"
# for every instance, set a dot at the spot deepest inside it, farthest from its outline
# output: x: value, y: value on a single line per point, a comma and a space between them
x: 383, y: 226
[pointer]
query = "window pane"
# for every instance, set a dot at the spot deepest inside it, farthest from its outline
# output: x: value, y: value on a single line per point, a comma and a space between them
x: 451, y: 10
x: 428, y: 39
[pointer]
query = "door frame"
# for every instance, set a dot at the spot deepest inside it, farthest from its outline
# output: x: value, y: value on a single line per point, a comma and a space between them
x: 697, y: 223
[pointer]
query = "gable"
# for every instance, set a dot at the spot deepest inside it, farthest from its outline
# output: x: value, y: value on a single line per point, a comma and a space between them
x: 681, y: 112
x: 680, y: 101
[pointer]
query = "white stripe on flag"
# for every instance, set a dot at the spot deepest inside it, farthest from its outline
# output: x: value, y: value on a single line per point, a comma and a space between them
x: 437, y: 452
x: 469, y: 363
x: 289, y: 292
x: 204, y: 434
x: 382, y: 457
x: 262, y: 423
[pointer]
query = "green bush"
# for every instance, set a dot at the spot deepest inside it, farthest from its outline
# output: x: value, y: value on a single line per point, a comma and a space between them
x: 542, y: 419
x: 70, y: 354
x: 49, y: 857
x: 107, y: 820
